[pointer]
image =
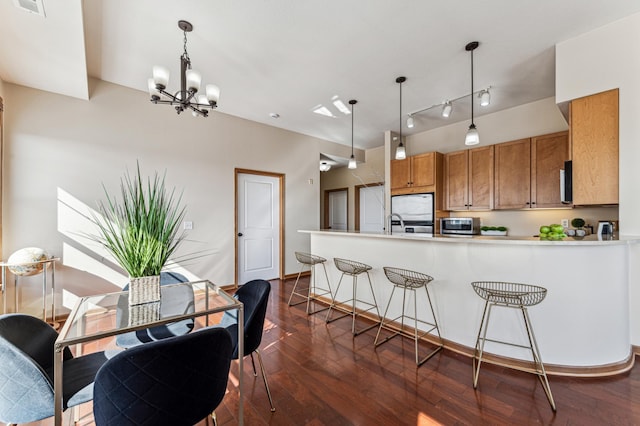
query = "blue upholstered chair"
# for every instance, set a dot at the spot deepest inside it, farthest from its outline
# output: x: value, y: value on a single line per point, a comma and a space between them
x: 254, y: 295
x: 26, y: 370
x: 179, y: 300
x: 175, y: 381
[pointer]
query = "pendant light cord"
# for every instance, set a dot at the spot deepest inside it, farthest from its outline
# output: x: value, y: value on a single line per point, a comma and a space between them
x: 351, y: 130
x: 472, y: 123
x: 400, y: 117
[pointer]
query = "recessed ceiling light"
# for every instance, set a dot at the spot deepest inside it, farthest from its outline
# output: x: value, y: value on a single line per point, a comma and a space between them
x: 341, y: 106
x: 322, y: 110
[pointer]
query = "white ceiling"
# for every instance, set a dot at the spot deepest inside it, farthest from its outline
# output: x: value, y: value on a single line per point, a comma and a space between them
x: 288, y: 56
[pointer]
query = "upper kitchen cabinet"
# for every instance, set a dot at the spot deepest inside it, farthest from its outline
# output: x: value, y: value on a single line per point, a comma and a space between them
x: 416, y: 174
x: 513, y: 174
x: 594, y: 140
x: 527, y: 172
x: 548, y: 154
x: 469, y: 179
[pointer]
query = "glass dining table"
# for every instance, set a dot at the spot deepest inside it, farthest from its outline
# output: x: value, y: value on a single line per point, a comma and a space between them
x: 102, y: 316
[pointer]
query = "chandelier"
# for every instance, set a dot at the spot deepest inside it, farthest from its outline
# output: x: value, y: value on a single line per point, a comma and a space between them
x: 187, y: 98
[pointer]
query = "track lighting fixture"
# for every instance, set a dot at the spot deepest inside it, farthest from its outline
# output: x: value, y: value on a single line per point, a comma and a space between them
x: 485, y: 97
x: 446, y: 109
x: 401, y: 153
x: 472, y: 137
x: 352, y: 160
x: 410, y: 122
x: 324, y: 166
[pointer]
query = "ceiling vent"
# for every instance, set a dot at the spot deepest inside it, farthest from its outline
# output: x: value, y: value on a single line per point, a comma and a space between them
x: 32, y: 6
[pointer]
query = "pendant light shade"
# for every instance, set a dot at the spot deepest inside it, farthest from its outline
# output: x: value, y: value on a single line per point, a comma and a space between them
x: 401, y: 153
x: 472, y: 138
x: 352, y: 160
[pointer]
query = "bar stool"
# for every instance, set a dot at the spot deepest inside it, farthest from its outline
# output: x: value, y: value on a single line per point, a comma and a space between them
x: 516, y: 296
x: 409, y: 281
x: 353, y: 268
x: 311, y: 292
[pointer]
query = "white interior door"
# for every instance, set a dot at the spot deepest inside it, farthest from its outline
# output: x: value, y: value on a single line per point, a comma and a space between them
x: 338, y: 210
x: 372, y: 209
x: 258, y: 227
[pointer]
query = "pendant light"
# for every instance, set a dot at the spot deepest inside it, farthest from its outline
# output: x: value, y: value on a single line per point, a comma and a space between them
x: 472, y: 138
x: 352, y: 160
x: 401, y: 153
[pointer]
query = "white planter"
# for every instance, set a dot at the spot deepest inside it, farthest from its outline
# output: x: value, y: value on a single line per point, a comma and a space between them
x: 494, y: 233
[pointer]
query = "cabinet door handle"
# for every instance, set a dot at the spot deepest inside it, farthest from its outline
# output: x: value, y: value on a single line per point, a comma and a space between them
x: 527, y: 203
x: 533, y: 202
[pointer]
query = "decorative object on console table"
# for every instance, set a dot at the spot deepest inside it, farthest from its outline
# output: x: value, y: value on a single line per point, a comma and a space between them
x: 31, y: 261
x: 141, y: 232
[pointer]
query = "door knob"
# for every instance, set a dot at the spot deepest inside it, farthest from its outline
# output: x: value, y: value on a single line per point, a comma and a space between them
x: 239, y: 234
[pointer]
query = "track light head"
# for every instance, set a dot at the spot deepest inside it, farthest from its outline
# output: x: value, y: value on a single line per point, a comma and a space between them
x: 446, y: 109
x: 410, y: 123
x: 485, y: 97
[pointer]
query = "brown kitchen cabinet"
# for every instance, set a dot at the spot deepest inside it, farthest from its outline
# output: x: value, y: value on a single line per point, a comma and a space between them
x: 548, y: 154
x: 593, y: 121
x: 527, y: 171
x: 469, y: 179
x: 513, y: 174
x: 415, y: 174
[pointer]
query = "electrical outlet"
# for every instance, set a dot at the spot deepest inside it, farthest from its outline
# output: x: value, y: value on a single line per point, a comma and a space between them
x: 564, y: 223
x: 187, y: 225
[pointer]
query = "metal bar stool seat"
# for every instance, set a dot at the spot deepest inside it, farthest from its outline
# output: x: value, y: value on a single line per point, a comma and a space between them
x: 409, y: 281
x: 312, y: 292
x: 516, y: 296
x: 353, y: 269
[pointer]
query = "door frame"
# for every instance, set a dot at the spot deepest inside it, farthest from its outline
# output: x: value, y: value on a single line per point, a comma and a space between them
x: 326, y: 205
x: 357, y: 201
x: 280, y: 177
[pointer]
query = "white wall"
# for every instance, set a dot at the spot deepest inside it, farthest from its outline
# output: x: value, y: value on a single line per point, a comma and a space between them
x: 60, y: 150
x: 599, y: 60
x: 532, y: 119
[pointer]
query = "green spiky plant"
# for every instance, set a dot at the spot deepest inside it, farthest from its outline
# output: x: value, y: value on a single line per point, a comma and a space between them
x: 142, y: 230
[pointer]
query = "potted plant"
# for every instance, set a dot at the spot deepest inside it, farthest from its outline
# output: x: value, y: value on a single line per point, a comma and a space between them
x: 499, y: 231
x: 141, y: 231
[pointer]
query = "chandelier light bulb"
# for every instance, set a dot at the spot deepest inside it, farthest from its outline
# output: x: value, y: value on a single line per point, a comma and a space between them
x: 160, y: 77
x: 213, y: 93
x: 193, y: 80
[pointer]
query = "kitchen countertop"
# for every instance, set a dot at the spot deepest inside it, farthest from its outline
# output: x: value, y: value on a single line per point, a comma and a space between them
x: 482, y: 239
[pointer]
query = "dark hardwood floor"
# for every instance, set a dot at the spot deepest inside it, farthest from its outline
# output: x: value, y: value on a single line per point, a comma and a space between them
x: 320, y: 375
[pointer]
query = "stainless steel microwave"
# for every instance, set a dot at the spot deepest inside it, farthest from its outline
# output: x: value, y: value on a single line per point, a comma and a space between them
x: 460, y: 225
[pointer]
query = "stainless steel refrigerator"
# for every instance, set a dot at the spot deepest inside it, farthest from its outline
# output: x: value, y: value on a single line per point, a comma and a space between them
x: 412, y: 213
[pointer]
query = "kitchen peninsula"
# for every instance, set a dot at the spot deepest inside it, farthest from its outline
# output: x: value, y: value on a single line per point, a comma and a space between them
x: 582, y: 326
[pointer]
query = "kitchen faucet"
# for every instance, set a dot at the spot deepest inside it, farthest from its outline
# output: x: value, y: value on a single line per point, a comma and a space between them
x: 389, y: 231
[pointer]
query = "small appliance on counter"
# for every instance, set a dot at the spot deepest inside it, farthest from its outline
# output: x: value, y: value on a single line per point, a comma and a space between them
x: 412, y: 213
x: 460, y: 225
x: 605, y: 228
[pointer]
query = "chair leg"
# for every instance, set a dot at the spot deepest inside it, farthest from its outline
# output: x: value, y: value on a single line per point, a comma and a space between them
x: 296, y: 285
x: 253, y: 363
x: 537, y: 359
x: 484, y: 323
x: 214, y: 418
x: 264, y: 377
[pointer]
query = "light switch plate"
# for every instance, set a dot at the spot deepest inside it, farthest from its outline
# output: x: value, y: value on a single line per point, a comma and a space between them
x: 187, y: 225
